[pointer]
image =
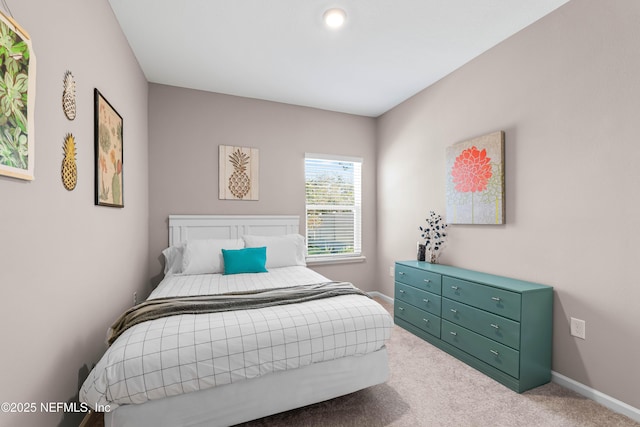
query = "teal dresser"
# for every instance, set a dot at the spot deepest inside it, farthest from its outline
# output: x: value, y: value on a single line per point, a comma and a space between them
x: 500, y: 326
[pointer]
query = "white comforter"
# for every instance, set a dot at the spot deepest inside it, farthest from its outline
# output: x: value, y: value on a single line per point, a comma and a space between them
x: 185, y: 353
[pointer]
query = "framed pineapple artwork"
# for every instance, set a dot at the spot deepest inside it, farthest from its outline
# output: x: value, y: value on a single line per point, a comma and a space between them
x: 108, y: 153
x: 17, y: 101
x: 238, y: 177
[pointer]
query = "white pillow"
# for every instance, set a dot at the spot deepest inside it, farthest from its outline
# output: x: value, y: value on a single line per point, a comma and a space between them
x: 205, y: 256
x: 173, y: 259
x: 282, y: 251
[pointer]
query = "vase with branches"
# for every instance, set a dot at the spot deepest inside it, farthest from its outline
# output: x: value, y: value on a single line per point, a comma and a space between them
x: 434, y: 234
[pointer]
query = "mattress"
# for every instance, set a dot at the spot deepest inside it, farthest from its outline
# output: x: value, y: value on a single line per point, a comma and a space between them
x: 249, y: 400
x: 188, y: 353
x: 180, y: 285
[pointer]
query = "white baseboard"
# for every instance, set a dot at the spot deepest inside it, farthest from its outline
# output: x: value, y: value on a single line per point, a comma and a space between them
x: 583, y: 390
x: 381, y: 296
x: 603, y: 399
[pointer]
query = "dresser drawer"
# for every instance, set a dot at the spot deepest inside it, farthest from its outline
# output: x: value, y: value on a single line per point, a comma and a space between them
x: 495, y: 354
x: 424, y: 280
x: 419, y: 318
x: 490, y: 325
x: 496, y: 300
x: 418, y: 298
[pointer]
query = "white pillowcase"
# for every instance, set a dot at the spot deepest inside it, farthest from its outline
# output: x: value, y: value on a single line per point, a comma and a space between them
x: 173, y: 259
x: 282, y: 251
x: 205, y: 256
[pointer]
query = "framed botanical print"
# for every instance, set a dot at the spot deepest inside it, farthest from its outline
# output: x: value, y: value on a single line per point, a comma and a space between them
x: 17, y: 101
x: 108, y: 153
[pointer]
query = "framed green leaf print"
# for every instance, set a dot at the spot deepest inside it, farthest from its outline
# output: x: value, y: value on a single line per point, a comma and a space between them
x: 17, y: 101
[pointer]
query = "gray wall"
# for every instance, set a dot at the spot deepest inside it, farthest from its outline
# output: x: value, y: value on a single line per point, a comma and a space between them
x: 187, y: 126
x: 67, y: 267
x: 566, y: 92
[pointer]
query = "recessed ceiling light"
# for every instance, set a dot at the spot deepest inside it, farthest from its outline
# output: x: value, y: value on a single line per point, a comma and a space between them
x: 334, y: 18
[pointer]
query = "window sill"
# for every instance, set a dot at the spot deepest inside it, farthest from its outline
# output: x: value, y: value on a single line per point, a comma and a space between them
x: 335, y: 260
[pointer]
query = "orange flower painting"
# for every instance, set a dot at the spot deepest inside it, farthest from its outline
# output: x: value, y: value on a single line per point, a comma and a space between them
x: 475, y: 181
x: 471, y: 171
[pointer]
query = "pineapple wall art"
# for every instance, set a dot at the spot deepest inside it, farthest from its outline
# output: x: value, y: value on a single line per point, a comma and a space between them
x: 69, y: 171
x: 238, y: 173
x: 108, y: 153
x: 69, y: 96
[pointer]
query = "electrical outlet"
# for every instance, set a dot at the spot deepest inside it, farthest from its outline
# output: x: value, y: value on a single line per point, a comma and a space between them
x: 578, y: 328
x: 135, y: 298
x: 391, y: 271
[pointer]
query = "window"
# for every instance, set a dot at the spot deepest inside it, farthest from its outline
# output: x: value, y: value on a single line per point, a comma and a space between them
x: 333, y: 205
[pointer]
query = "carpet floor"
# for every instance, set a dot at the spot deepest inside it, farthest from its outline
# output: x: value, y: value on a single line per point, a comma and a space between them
x: 429, y: 388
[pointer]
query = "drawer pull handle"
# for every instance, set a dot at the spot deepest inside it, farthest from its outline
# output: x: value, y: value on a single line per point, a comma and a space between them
x: 455, y: 288
x: 427, y: 281
x: 426, y: 300
x: 401, y: 291
x: 496, y: 298
x: 453, y: 310
x: 494, y: 352
x: 401, y: 273
x: 453, y: 333
x: 401, y: 308
x: 426, y: 320
x: 493, y: 325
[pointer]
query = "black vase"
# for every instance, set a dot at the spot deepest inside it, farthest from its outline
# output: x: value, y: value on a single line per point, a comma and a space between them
x: 422, y: 250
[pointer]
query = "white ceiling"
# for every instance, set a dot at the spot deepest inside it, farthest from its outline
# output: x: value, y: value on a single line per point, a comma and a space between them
x: 279, y: 50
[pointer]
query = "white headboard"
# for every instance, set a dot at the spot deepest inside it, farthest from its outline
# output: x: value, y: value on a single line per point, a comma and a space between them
x: 191, y: 227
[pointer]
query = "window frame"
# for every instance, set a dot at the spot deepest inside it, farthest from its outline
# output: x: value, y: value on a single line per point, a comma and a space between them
x: 356, y: 208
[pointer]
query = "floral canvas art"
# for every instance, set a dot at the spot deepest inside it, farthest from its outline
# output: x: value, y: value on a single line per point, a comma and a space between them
x: 475, y: 180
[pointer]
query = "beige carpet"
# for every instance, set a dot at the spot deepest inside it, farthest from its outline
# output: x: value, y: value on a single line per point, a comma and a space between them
x: 428, y: 387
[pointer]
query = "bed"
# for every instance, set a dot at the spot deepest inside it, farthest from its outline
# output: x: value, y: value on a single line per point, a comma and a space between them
x: 222, y: 367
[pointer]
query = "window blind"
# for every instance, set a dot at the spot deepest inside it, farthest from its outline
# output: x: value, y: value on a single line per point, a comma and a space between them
x: 333, y: 188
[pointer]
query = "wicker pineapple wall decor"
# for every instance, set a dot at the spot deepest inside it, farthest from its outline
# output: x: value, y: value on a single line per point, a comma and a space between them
x: 238, y: 177
x: 69, y: 168
x: 69, y: 96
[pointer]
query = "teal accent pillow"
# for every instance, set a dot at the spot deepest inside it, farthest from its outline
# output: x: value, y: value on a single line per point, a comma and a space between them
x: 247, y: 260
